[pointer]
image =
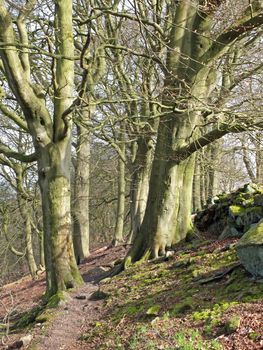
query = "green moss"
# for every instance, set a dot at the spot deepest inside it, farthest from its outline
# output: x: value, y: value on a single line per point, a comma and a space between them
x: 240, y: 198
x: 153, y: 310
x: 163, y: 273
x: 78, y: 280
x: 253, y: 236
x: 127, y: 262
x: 212, y: 317
x: 221, y: 260
x: 254, y: 335
x: 248, y: 202
x: 195, y: 273
x: 56, y: 299
x: 127, y: 310
x: 171, y: 288
x: 45, y: 316
x: 183, y: 263
x: 232, y: 324
x: 28, y: 317
x: 252, y: 295
x: 223, y: 197
x: 214, y: 313
x: 236, y: 284
x: 182, y: 307
x: 192, y: 340
x: 236, y: 210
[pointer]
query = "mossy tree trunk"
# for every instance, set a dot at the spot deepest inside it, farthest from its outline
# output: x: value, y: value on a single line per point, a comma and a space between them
x: 80, y: 206
x: 259, y: 158
x: 41, y: 248
x: 212, y: 173
x: 167, y: 217
x: 120, y: 214
x: 203, y: 187
x: 141, y: 170
x: 23, y: 200
x: 52, y: 140
x: 197, y: 185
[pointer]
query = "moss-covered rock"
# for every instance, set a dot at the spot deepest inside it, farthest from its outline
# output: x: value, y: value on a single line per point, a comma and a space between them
x: 250, y: 249
x: 231, y: 215
x: 230, y: 231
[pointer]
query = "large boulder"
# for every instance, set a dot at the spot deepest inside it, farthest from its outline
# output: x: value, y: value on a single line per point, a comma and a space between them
x: 250, y: 249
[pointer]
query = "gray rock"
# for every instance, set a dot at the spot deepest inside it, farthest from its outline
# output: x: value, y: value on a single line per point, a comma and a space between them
x: 81, y: 297
x: 250, y: 249
x: 26, y: 340
x: 215, y: 199
x: 239, y: 221
x: 250, y: 188
x: 98, y: 295
x: 229, y: 232
x: 258, y: 200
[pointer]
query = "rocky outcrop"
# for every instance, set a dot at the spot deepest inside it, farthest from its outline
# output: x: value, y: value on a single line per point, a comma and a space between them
x: 231, y: 215
x: 250, y: 249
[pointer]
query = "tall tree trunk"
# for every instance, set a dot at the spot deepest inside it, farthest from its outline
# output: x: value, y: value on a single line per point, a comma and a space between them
x: 29, y: 249
x: 81, y: 193
x: 167, y: 218
x: 202, y: 181
x: 213, y: 158
x: 197, y: 186
x: 23, y: 200
x: 141, y: 169
x: 120, y: 216
x: 26, y: 217
x: 259, y: 158
x: 41, y: 249
x: 61, y: 268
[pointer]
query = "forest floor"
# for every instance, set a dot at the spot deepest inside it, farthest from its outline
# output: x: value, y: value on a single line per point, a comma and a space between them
x: 196, y: 299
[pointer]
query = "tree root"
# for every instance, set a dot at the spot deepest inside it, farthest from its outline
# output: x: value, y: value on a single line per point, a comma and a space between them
x: 219, y: 275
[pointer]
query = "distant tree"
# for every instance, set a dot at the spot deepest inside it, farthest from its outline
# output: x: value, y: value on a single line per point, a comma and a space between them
x: 252, y: 154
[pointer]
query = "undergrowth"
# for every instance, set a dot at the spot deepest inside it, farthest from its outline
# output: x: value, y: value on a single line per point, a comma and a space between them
x: 174, y: 304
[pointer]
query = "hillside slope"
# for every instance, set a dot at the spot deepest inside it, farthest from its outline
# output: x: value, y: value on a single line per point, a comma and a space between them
x: 199, y: 298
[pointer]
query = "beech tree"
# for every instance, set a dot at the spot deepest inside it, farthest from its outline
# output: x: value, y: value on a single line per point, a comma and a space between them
x: 51, y: 134
x: 197, y: 45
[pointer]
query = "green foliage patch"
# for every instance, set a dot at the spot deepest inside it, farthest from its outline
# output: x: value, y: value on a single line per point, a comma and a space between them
x: 151, y: 302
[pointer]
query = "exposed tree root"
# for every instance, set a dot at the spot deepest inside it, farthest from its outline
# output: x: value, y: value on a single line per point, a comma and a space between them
x: 219, y: 275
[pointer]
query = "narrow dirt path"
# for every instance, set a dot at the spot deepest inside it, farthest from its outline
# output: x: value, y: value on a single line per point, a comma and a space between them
x: 68, y: 321
x: 65, y: 329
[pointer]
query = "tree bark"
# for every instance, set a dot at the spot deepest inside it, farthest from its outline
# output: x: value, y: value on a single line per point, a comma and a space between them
x: 81, y: 194
x: 197, y: 185
x: 141, y: 169
x: 259, y: 158
x: 61, y: 269
x: 120, y: 215
x: 26, y: 217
